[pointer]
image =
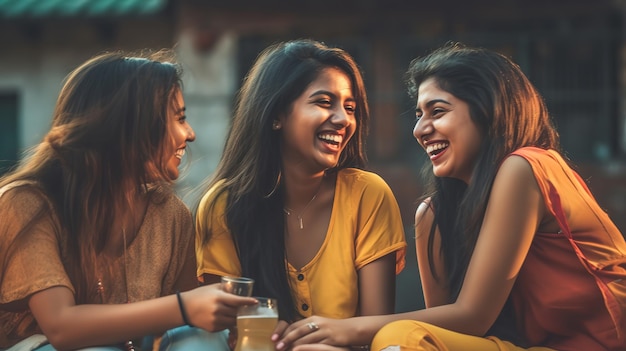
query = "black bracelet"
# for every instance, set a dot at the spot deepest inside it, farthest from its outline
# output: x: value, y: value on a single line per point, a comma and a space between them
x: 182, y: 310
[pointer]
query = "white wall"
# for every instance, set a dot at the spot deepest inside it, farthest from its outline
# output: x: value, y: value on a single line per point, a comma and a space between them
x: 36, y: 73
x: 36, y: 77
x: 210, y: 82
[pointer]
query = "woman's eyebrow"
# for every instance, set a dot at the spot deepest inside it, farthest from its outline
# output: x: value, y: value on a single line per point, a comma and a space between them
x: 434, y: 101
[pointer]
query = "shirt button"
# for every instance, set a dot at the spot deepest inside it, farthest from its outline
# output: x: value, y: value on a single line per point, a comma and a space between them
x: 300, y: 277
x: 305, y: 307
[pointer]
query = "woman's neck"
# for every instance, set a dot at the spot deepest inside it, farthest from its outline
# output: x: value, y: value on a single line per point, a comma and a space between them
x: 300, y: 189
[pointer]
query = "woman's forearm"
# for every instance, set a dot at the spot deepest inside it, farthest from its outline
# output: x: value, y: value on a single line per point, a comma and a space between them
x: 86, y: 325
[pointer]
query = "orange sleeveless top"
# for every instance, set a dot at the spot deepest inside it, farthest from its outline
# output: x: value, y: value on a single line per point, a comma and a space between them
x: 570, y: 293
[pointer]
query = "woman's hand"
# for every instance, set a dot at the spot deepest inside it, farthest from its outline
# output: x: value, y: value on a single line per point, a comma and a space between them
x: 312, y: 330
x: 212, y: 309
x: 279, y: 330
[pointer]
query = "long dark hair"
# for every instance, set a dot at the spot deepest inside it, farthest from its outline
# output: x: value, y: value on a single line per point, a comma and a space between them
x: 107, y: 141
x: 510, y: 114
x: 251, y: 163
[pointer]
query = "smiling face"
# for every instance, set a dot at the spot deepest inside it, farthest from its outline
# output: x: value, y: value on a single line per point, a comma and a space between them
x: 180, y: 132
x: 446, y: 131
x: 320, y: 122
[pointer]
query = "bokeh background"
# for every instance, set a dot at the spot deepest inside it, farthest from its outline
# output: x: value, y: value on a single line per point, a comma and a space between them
x: 574, y: 51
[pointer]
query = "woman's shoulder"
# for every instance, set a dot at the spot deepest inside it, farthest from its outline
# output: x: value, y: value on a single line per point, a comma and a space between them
x: 23, y: 196
x: 537, y: 155
x: 544, y: 163
x: 357, y: 185
x: 215, y: 193
x: 360, y: 177
x: 167, y: 202
x: 25, y: 203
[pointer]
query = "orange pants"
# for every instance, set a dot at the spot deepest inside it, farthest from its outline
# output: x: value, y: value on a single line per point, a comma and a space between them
x: 411, y: 335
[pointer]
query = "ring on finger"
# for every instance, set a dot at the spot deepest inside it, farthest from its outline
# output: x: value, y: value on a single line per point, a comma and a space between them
x: 312, y: 326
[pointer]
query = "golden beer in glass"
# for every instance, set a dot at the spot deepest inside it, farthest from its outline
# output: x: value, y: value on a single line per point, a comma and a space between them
x: 255, y: 324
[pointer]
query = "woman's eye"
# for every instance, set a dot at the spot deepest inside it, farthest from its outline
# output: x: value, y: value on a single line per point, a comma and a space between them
x: 350, y: 108
x: 182, y: 119
x: 324, y: 102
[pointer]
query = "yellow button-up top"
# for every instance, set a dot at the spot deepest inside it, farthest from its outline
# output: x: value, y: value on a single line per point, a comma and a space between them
x: 365, y: 225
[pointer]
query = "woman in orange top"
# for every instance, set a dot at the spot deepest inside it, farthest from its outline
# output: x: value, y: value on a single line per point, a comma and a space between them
x: 513, y: 250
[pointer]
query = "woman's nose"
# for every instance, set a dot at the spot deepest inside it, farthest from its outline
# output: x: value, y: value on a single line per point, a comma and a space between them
x: 341, y: 117
x: 422, y: 129
x: 191, y: 134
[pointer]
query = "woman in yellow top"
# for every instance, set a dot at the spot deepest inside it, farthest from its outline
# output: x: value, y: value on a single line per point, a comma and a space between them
x: 289, y: 205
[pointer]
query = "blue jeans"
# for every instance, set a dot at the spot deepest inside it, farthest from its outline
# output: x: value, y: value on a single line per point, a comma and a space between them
x: 178, y: 339
x: 48, y: 347
x: 192, y: 339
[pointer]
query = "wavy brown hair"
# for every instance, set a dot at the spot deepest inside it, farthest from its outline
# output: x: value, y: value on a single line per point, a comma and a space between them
x: 106, y: 143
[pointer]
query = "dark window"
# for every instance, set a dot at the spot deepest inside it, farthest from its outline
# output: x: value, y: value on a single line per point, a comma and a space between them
x: 576, y: 75
x: 9, y: 140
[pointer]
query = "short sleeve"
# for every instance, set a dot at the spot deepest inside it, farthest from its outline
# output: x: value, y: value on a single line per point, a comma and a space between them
x: 30, y: 247
x: 218, y: 255
x: 380, y: 227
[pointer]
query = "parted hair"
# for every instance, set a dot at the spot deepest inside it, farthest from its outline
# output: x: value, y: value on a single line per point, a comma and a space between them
x: 250, y: 166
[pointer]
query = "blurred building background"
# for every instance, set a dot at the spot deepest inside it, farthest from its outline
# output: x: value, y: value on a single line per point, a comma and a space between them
x: 574, y: 51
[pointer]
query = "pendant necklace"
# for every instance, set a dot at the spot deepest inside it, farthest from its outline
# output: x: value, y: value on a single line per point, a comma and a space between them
x: 128, y: 345
x: 289, y: 211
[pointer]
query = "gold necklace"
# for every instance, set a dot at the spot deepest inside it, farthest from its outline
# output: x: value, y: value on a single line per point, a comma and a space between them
x: 289, y: 211
x: 128, y: 345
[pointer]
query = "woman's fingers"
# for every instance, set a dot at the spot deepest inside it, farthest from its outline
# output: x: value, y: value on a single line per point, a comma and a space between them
x: 281, y: 326
x: 306, y: 331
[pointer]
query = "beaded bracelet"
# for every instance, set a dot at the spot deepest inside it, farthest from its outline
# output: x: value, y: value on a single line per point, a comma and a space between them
x: 183, y: 312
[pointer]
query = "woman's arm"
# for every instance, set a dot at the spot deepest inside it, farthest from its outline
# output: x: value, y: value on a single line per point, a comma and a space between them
x: 71, y: 326
x: 434, y: 289
x: 381, y: 238
x: 377, y: 286
x: 514, y: 211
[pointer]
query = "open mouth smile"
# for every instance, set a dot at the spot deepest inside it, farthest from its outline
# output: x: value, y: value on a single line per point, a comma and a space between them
x: 436, y: 148
x: 332, y: 139
x: 180, y: 153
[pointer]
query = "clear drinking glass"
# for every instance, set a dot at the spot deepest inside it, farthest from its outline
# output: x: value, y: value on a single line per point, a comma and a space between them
x: 238, y: 285
x: 255, y: 324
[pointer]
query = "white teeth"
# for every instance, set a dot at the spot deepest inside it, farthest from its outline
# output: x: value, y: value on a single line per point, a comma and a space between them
x: 434, y: 147
x: 180, y: 153
x: 331, y: 137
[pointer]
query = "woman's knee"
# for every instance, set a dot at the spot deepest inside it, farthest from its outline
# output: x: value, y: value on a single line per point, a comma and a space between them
x: 403, y: 335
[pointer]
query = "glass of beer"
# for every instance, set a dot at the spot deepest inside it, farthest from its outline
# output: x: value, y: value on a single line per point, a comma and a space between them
x: 255, y: 324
